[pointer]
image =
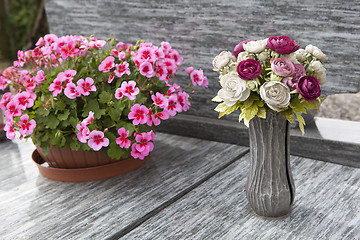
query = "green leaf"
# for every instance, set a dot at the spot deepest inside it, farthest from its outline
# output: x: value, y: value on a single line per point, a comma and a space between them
x: 42, y: 111
x: 115, y: 151
x: 63, y: 116
x: 60, y: 105
x: 93, y: 105
x: 105, y: 97
x: 52, y: 122
x: 297, y: 106
x: 217, y: 99
x: 288, y: 115
x: 74, y: 144
x: 261, y: 113
x: 301, y: 123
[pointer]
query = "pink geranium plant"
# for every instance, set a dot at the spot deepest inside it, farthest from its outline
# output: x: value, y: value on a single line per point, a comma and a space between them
x: 75, y: 91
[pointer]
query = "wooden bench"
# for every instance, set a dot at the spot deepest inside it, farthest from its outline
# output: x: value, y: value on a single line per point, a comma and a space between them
x: 201, y: 29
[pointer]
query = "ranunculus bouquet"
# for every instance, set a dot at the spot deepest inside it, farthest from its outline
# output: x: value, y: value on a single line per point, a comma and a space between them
x: 92, y: 94
x: 270, y: 75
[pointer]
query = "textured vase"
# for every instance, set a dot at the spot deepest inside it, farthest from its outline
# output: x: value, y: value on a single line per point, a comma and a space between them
x: 270, y: 188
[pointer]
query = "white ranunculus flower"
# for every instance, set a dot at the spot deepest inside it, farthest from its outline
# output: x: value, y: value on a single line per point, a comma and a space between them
x: 255, y: 46
x: 243, y: 56
x: 263, y: 56
x: 300, y: 55
x: 222, y: 60
x: 317, y: 66
x: 292, y: 57
x: 233, y: 89
x: 321, y: 76
x: 253, y: 85
x: 275, y: 94
x: 316, y: 52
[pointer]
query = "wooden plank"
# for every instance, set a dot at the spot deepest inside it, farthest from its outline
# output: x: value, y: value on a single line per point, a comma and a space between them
x: 332, y: 141
x: 33, y: 207
x: 326, y: 207
x: 202, y: 29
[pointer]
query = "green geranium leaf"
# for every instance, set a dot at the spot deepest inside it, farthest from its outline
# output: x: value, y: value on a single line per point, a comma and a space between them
x: 52, y: 122
x: 42, y: 111
x: 93, y: 105
x: 105, y: 97
x: 115, y: 151
x: 63, y: 116
x: 60, y: 105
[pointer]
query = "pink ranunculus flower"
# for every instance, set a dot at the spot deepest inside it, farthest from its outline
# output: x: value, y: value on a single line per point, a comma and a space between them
x: 97, y: 140
x: 129, y: 89
x: 309, y: 88
x: 71, y: 91
x: 136, y: 154
x: 282, y: 66
x: 24, y: 100
x: 282, y: 44
x: 160, y: 100
x: 240, y: 47
x: 56, y: 87
x: 86, y: 86
x: 173, y: 106
x: 249, y: 69
x: 89, y: 119
x: 122, y: 141
x: 122, y: 69
x: 144, y: 144
x: 107, y: 64
x: 138, y: 114
x: 84, y: 132
x: 298, y: 73
x: 26, y: 126
x: 40, y: 77
x: 146, y: 69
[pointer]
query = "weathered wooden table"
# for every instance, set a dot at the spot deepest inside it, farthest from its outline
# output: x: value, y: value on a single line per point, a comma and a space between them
x: 189, y: 189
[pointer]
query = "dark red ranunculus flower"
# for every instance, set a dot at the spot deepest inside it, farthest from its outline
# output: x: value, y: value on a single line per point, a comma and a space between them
x: 309, y: 88
x: 249, y: 69
x: 282, y: 44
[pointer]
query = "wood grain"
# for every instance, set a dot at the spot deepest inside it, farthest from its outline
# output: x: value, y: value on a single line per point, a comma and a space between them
x: 33, y: 207
x: 326, y: 207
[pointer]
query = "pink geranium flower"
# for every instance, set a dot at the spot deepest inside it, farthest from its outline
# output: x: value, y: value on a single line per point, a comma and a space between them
x: 56, y: 87
x: 13, y: 110
x: 84, y: 132
x: 146, y: 53
x: 170, y: 66
x: 153, y: 119
x: 189, y: 70
x: 174, y: 106
x: 160, y: 100
x: 86, y: 86
x: 26, y: 126
x: 107, y: 64
x: 146, y: 69
x: 163, y: 115
x: 197, y: 77
x: 122, y: 141
x: 136, y: 154
x: 89, y: 119
x: 119, y: 94
x: 69, y: 75
x: 161, y: 71
x: 71, y: 90
x: 97, y: 140
x: 174, y: 54
x: 10, y: 131
x: 129, y: 89
x: 24, y: 100
x: 111, y: 78
x: 183, y: 100
x: 144, y: 144
x: 6, y: 98
x: 122, y: 69
x: 40, y: 77
x: 138, y: 113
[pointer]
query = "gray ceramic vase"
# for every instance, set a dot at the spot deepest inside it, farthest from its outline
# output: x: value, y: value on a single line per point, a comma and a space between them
x: 270, y: 188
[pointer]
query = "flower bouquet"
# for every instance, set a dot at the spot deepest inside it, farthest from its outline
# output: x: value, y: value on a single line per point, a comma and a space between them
x: 94, y: 95
x: 270, y: 75
x: 272, y: 81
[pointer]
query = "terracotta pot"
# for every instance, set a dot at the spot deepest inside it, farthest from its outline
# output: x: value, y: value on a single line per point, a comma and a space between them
x: 270, y: 187
x: 81, y: 166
